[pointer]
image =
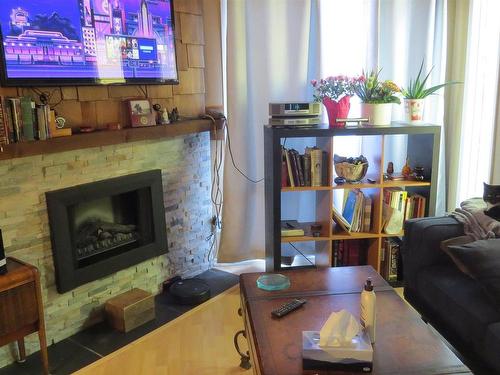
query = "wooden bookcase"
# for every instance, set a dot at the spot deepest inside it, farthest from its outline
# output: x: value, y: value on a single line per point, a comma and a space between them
x: 422, y: 148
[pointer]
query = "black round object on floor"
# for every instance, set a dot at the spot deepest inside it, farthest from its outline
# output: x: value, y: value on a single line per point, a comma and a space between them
x: 190, y: 291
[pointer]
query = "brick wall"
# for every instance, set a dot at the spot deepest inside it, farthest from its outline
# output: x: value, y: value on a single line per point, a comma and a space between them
x: 185, y: 164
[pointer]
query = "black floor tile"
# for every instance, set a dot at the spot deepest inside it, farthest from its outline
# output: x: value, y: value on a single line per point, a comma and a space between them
x: 65, y: 357
x: 85, y: 347
x: 104, y: 340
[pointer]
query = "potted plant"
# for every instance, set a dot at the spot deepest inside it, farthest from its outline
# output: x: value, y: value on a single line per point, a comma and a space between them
x: 335, y: 94
x: 415, y: 94
x: 376, y: 97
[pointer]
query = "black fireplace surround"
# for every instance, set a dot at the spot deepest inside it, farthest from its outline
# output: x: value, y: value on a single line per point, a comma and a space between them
x: 102, y: 227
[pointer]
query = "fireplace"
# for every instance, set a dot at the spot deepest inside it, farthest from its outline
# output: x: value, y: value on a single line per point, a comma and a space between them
x: 105, y: 226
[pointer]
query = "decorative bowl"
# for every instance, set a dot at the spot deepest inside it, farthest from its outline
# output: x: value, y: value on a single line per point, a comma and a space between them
x: 351, y: 172
x: 273, y: 281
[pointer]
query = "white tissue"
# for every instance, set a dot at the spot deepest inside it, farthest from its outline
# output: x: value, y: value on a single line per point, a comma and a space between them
x: 339, y: 329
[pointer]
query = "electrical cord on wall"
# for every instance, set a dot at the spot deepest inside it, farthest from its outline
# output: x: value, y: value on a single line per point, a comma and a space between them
x: 215, y: 194
x: 233, y: 162
x: 232, y: 158
x: 45, y: 97
x: 216, y: 191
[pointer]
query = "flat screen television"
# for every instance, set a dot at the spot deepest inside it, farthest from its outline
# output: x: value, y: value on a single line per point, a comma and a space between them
x: 70, y: 42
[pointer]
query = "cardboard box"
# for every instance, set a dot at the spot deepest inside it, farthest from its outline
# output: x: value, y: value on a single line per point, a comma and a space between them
x: 130, y: 309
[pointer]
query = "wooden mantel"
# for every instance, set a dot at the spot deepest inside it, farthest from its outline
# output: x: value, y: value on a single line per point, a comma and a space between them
x: 105, y: 138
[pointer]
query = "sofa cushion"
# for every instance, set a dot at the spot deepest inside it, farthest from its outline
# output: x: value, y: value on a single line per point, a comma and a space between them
x: 489, y: 347
x: 481, y: 261
x: 457, y: 300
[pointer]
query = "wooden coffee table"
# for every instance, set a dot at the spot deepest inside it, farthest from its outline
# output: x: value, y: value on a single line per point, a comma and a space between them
x: 404, y: 343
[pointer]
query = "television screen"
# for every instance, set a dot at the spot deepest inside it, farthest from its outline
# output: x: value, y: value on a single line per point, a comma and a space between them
x: 87, y: 41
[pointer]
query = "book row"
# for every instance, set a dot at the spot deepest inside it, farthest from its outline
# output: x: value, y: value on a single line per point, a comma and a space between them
x: 22, y: 120
x: 350, y: 253
x: 356, y: 214
x: 309, y: 169
x: 399, y: 205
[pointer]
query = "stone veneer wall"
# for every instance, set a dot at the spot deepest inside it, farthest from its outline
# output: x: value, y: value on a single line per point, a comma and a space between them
x: 185, y: 165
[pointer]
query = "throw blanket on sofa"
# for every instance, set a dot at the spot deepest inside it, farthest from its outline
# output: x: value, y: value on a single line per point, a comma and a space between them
x: 477, y: 224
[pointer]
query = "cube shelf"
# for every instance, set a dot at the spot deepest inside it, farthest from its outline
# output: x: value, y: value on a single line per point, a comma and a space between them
x: 422, y: 148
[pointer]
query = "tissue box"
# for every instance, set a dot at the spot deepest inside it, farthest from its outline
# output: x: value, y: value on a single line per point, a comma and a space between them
x: 355, y: 356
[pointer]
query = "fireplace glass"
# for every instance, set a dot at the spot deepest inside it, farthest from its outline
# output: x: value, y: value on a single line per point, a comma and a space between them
x: 105, y: 227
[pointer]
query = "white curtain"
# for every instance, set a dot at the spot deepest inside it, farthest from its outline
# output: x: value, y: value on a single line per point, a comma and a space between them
x: 480, y: 99
x: 268, y: 60
x: 274, y: 48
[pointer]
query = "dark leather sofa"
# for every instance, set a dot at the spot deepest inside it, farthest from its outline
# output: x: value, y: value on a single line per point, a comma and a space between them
x: 449, y: 300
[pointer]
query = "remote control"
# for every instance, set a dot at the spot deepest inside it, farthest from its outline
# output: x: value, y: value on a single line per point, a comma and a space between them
x: 288, y: 307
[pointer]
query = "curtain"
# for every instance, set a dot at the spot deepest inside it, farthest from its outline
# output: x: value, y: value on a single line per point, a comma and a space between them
x: 412, y: 32
x: 479, y: 104
x: 275, y: 47
x: 269, y: 50
x: 458, y: 19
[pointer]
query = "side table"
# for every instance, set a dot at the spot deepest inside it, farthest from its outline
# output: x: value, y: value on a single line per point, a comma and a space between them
x: 21, y: 308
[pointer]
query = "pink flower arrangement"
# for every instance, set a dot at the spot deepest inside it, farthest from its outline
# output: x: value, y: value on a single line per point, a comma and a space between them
x: 335, y: 87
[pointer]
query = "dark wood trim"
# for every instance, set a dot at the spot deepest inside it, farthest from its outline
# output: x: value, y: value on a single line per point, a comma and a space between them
x: 105, y: 138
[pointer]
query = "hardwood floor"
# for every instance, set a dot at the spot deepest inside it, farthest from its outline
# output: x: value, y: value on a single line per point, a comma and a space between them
x: 200, y: 342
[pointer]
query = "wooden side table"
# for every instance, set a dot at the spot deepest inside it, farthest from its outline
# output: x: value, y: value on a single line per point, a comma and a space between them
x: 21, y: 308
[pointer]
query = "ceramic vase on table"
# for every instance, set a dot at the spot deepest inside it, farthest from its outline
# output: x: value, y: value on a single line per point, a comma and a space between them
x: 336, y: 110
x: 414, y: 110
x: 379, y: 114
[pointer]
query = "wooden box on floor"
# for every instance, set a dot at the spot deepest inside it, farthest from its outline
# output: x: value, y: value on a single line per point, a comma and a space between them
x: 130, y: 310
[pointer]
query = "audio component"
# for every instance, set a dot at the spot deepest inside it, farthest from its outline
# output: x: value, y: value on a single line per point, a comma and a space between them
x: 294, y: 109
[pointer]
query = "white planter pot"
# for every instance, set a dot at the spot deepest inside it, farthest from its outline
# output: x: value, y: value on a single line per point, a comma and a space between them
x: 414, y: 110
x: 377, y: 114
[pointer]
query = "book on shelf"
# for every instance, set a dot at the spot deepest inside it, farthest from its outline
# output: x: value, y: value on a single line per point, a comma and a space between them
x: 350, y: 206
x: 316, y: 166
x: 291, y: 228
x: 27, y: 118
x: 415, y: 206
x: 17, y: 122
x: 350, y: 253
x: 21, y: 119
x: 4, y: 128
x: 298, y: 167
x: 398, y: 206
x: 390, y: 259
x: 309, y: 169
x: 284, y: 169
x: 324, y: 168
x: 42, y: 116
x: 393, y: 210
x: 340, y: 220
x: 356, y: 213
x: 367, y: 215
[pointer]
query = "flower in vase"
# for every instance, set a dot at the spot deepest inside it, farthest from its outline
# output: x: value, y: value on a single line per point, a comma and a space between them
x: 333, y: 87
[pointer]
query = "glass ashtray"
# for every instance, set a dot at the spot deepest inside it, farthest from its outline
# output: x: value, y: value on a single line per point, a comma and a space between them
x: 273, y: 281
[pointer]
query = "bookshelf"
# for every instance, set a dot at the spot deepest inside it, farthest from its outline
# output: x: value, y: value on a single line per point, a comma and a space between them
x: 422, y: 148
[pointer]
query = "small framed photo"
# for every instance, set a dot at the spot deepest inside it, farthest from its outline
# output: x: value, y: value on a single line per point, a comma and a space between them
x: 141, y: 113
